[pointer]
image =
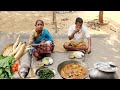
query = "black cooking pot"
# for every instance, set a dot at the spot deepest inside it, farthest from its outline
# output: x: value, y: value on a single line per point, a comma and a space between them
x: 61, y: 65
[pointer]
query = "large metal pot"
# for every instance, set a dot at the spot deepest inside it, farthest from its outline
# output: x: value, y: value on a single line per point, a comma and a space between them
x: 98, y: 74
x: 61, y: 65
x: 104, y: 72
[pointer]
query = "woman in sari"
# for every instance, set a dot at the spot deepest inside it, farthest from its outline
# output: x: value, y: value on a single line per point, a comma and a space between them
x: 40, y: 40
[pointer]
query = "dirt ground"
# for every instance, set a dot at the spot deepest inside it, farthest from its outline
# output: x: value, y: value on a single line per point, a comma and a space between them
x: 23, y: 21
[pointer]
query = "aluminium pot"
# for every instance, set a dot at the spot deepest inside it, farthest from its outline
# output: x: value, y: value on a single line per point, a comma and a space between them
x: 106, y: 71
x: 98, y: 74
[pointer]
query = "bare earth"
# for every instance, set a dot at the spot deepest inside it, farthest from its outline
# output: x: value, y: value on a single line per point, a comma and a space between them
x: 18, y: 21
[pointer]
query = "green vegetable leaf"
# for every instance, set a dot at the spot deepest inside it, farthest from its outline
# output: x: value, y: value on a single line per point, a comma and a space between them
x: 2, y: 63
x: 5, y: 66
x: 1, y: 57
x: 1, y: 70
x: 2, y: 76
x: 8, y: 71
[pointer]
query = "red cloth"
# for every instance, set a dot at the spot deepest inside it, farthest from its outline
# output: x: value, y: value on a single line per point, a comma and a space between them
x: 43, y: 49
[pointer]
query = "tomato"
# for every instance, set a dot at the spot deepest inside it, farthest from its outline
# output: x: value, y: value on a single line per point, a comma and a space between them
x: 17, y: 68
x: 15, y: 65
x: 13, y: 69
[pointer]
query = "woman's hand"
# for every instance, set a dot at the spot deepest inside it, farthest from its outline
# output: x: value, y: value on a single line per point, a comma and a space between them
x: 41, y: 44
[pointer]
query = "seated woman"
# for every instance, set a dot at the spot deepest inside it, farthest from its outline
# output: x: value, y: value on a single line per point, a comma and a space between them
x: 40, y: 40
x: 76, y: 35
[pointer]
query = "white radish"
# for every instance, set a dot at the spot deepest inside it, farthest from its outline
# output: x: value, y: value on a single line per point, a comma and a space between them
x: 28, y: 46
x: 16, y: 50
x: 16, y: 43
x: 26, y: 50
x: 20, y: 52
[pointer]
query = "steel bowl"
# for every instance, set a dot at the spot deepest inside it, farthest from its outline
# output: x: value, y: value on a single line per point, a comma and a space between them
x: 61, y: 65
x: 43, y: 67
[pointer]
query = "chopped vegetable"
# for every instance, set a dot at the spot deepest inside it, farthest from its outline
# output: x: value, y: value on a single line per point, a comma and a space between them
x: 45, y: 73
x: 47, y: 60
x: 40, y: 64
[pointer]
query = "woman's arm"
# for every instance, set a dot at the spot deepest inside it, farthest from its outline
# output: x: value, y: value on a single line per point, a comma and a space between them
x: 34, y: 45
x: 42, y: 43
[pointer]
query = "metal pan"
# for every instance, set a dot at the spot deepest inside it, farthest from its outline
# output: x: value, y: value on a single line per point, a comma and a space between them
x: 61, y: 65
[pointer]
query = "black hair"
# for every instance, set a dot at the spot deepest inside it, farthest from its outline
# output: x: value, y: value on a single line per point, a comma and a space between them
x: 78, y: 19
x: 38, y: 21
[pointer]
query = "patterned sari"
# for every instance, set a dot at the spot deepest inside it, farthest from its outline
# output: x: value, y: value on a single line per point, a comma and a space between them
x: 47, y: 47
